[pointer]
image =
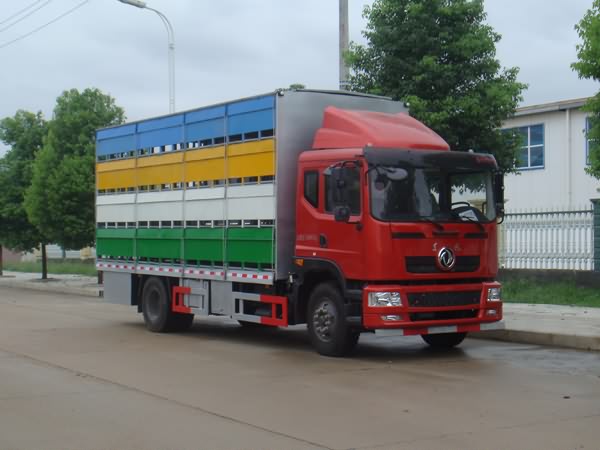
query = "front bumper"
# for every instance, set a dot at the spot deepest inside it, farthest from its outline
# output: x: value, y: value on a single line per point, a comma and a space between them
x: 428, y: 309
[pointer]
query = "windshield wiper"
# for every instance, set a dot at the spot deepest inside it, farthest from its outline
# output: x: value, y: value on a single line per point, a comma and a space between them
x: 469, y: 219
x: 438, y: 225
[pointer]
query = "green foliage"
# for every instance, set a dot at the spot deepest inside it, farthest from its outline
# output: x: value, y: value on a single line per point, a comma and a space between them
x: 24, y: 133
x: 588, y: 66
x: 439, y: 57
x: 60, y: 200
x: 550, y: 293
x: 74, y: 267
x: 297, y: 86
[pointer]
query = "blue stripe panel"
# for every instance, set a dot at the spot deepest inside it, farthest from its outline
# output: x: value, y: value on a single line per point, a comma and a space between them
x: 253, y: 121
x: 115, y: 131
x: 205, y: 114
x: 165, y: 136
x: 162, y: 122
x: 255, y: 104
x: 120, y: 144
x: 205, y: 130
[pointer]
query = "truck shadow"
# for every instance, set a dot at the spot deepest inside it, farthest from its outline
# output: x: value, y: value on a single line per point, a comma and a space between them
x: 294, y: 341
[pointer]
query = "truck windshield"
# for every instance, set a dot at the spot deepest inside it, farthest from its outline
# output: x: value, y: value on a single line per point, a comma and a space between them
x: 431, y: 194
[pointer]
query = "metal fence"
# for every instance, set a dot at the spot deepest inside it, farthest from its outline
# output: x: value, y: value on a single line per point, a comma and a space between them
x: 547, y: 240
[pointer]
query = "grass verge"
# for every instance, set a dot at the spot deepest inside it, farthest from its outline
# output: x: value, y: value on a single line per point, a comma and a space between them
x: 54, y: 267
x: 550, y: 293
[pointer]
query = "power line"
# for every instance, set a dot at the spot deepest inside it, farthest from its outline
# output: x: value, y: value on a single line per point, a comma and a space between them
x: 23, y: 36
x: 20, y: 19
x: 31, y: 5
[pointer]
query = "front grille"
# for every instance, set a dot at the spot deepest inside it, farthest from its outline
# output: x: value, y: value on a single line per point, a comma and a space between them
x: 440, y: 299
x: 427, y: 264
x: 444, y: 315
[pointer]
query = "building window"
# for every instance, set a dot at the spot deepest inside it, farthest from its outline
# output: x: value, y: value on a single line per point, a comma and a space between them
x: 531, y: 152
x: 589, y: 143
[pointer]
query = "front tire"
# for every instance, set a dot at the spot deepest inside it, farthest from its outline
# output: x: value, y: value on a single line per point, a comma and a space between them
x: 329, y: 333
x: 156, y: 308
x: 444, y: 340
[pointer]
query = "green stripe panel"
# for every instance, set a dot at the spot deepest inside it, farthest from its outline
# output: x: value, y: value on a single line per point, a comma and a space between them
x: 159, y: 243
x: 115, y: 242
x: 244, y: 245
x: 204, y: 244
x: 250, y: 245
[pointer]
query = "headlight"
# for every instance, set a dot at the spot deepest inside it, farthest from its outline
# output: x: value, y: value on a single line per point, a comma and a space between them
x: 384, y: 299
x: 494, y: 294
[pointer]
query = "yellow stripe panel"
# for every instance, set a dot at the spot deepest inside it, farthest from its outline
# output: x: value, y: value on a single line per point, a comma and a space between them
x: 246, y: 148
x: 208, y: 169
x: 209, y: 153
x: 115, y: 165
x: 116, y: 179
x: 247, y: 159
x: 172, y: 173
x: 256, y: 165
x: 160, y: 160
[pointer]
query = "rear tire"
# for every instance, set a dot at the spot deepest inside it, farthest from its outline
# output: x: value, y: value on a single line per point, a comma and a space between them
x: 444, y: 340
x: 329, y: 333
x: 156, y: 308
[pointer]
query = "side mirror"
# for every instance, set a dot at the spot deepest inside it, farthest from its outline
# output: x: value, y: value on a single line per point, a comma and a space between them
x: 342, y: 213
x: 499, y: 193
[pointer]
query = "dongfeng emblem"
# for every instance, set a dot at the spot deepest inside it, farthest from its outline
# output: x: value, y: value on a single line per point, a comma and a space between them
x: 446, y: 259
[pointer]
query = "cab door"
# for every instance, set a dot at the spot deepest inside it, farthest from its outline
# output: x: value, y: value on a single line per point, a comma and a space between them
x: 319, y: 235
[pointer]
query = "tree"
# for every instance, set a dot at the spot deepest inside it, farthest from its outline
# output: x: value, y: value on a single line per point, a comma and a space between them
x: 588, y: 66
x: 439, y: 57
x: 24, y: 134
x: 60, y: 200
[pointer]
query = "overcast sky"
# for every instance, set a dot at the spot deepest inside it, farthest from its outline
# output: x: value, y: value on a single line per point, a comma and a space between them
x: 233, y: 48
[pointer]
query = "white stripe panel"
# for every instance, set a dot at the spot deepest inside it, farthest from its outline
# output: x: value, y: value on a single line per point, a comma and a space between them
x: 253, y: 190
x: 205, y: 193
x: 115, y: 213
x: 205, y: 210
x: 115, y: 199
x: 251, y: 208
x: 160, y: 211
x: 161, y: 196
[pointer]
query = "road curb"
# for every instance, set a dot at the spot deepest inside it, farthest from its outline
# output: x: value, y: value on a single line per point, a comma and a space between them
x: 542, y: 338
x: 50, y: 287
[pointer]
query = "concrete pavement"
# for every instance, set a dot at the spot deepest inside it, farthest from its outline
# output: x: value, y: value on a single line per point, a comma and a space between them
x: 560, y: 326
x: 66, y: 284
x: 81, y: 374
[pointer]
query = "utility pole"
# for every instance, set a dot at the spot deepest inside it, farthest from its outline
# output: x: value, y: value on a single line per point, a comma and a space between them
x: 344, y: 42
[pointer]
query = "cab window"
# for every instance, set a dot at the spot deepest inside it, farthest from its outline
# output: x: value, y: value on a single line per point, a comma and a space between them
x: 311, y: 187
x: 352, y: 191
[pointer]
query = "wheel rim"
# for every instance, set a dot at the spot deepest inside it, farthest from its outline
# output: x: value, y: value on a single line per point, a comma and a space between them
x: 324, y: 320
x: 153, y: 305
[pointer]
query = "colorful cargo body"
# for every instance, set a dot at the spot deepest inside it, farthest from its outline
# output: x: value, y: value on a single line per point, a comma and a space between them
x: 333, y: 209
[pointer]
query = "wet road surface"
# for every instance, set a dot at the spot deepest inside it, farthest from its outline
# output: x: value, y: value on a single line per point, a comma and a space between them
x: 79, y: 373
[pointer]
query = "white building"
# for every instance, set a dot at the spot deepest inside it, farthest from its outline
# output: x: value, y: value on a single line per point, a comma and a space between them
x: 553, y: 158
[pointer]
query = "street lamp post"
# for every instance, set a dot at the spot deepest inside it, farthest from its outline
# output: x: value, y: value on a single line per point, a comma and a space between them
x: 171, y: 37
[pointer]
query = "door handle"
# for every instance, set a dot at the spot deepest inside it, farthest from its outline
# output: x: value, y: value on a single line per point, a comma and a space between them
x: 323, y: 241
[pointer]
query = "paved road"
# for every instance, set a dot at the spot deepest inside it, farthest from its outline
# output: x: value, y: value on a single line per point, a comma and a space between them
x: 78, y: 373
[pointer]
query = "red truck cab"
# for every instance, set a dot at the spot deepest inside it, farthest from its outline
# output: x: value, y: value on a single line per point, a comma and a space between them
x: 395, y: 233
